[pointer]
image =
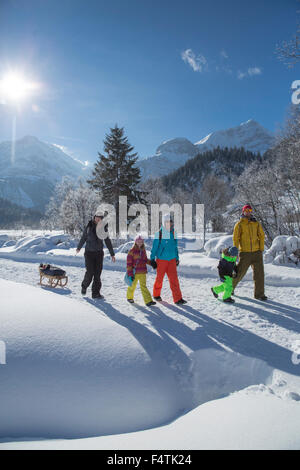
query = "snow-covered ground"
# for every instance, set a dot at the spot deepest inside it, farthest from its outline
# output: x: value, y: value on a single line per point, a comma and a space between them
x: 103, y: 374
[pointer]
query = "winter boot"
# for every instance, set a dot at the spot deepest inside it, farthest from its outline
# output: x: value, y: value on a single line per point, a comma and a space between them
x: 97, y: 296
x: 263, y: 297
x: 131, y: 301
x: 214, y: 294
x: 229, y: 300
x: 181, y: 302
x: 149, y: 304
x: 159, y: 299
x: 83, y: 290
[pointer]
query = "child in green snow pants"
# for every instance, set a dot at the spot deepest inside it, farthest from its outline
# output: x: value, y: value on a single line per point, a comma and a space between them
x: 225, y: 287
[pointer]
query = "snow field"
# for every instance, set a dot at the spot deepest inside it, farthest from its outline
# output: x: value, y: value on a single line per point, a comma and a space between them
x: 78, y: 368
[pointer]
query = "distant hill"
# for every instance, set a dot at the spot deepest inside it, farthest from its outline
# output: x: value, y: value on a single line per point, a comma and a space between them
x: 28, y: 178
x: 226, y: 163
x: 14, y: 216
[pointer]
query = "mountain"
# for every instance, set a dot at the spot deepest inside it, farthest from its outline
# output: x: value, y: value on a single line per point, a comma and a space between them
x: 224, y: 163
x: 168, y: 157
x: 174, y: 153
x: 28, y: 178
x: 250, y: 135
x: 14, y: 216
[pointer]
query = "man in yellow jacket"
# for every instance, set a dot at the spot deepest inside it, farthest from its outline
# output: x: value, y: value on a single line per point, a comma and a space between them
x: 249, y: 237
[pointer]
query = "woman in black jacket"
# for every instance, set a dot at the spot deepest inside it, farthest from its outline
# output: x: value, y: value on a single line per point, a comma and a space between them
x: 93, y: 256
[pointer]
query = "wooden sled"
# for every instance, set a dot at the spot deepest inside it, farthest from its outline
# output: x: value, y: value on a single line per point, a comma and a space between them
x: 47, y: 280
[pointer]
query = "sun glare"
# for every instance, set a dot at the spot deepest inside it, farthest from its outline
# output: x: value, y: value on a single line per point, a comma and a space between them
x: 15, y: 87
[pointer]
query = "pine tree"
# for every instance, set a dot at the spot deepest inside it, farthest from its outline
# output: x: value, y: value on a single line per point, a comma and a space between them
x: 115, y: 173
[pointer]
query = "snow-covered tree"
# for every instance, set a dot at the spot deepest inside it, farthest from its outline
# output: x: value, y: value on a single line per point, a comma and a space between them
x: 78, y: 207
x: 115, y: 173
x: 52, y: 219
x: 273, y: 189
x: 71, y: 206
x: 155, y: 192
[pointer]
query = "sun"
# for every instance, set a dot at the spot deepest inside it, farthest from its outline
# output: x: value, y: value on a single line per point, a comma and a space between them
x: 15, y: 87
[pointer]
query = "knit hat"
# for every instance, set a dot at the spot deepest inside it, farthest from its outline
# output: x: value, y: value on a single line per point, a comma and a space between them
x: 247, y: 206
x: 139, y: 237
x: 233, y: 251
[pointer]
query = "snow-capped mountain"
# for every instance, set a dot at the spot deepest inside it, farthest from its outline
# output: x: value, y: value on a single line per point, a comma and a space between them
x: 29, y: 174
x: 174, y: 153
x: 169, y: 156
x: 250, y: 135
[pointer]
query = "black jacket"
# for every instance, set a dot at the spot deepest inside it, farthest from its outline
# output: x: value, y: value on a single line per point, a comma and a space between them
x: 93, y: 243
x: 226, y: 268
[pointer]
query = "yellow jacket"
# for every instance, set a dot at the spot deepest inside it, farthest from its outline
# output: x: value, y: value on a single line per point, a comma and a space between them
x: 248, y: 235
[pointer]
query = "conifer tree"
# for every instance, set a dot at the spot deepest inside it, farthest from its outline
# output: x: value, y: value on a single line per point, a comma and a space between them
x: 115, y: 173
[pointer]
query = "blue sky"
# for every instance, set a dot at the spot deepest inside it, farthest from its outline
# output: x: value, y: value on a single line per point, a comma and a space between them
x: 160, y: 68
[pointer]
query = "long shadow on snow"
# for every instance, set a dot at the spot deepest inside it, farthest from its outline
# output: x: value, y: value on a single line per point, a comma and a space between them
x: 210, y: 333
x: 282, y: 315
x: 158, y: 346
x: 243, y: 341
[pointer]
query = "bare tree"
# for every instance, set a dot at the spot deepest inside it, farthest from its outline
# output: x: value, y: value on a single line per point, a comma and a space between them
x: 154, y: 191
x: 273, y: 189
x: 78, y: 207
x: 215, y: 194
x: 258, y: 187
x: 289, y: 51
x: 52, y: 219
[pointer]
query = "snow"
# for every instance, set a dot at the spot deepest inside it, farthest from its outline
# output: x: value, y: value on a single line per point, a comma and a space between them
x: 250, y: 419
x: 60, y: 249
x: 37, y: 167
x: 250, y: 135
x: 173, y: 153
x: 285, y: 250
x: 103, y: 374
x: 70, y: 370
x: 216, y: 245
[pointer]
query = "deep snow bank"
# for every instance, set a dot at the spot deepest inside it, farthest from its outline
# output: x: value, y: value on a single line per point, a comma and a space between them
x: 72, y: 372
x: 254, y: 418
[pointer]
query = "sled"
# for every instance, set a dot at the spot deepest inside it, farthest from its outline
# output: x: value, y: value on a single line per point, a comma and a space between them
x: 48, y: 279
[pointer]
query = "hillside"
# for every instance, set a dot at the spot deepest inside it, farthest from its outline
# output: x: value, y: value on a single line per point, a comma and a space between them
x: 28, y: 175
x: 174, y: 153
x: 227, y: 163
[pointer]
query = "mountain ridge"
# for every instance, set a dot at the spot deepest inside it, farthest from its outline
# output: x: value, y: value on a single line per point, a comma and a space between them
x: 173, y: 153
x: 28, y: 176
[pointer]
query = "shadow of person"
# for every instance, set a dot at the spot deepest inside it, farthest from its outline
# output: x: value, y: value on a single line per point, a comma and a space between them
x: 163, y: 342
x: 280, y: 314
x: 286, y: 309
x: 241, y: 340
x: 158, y: 345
